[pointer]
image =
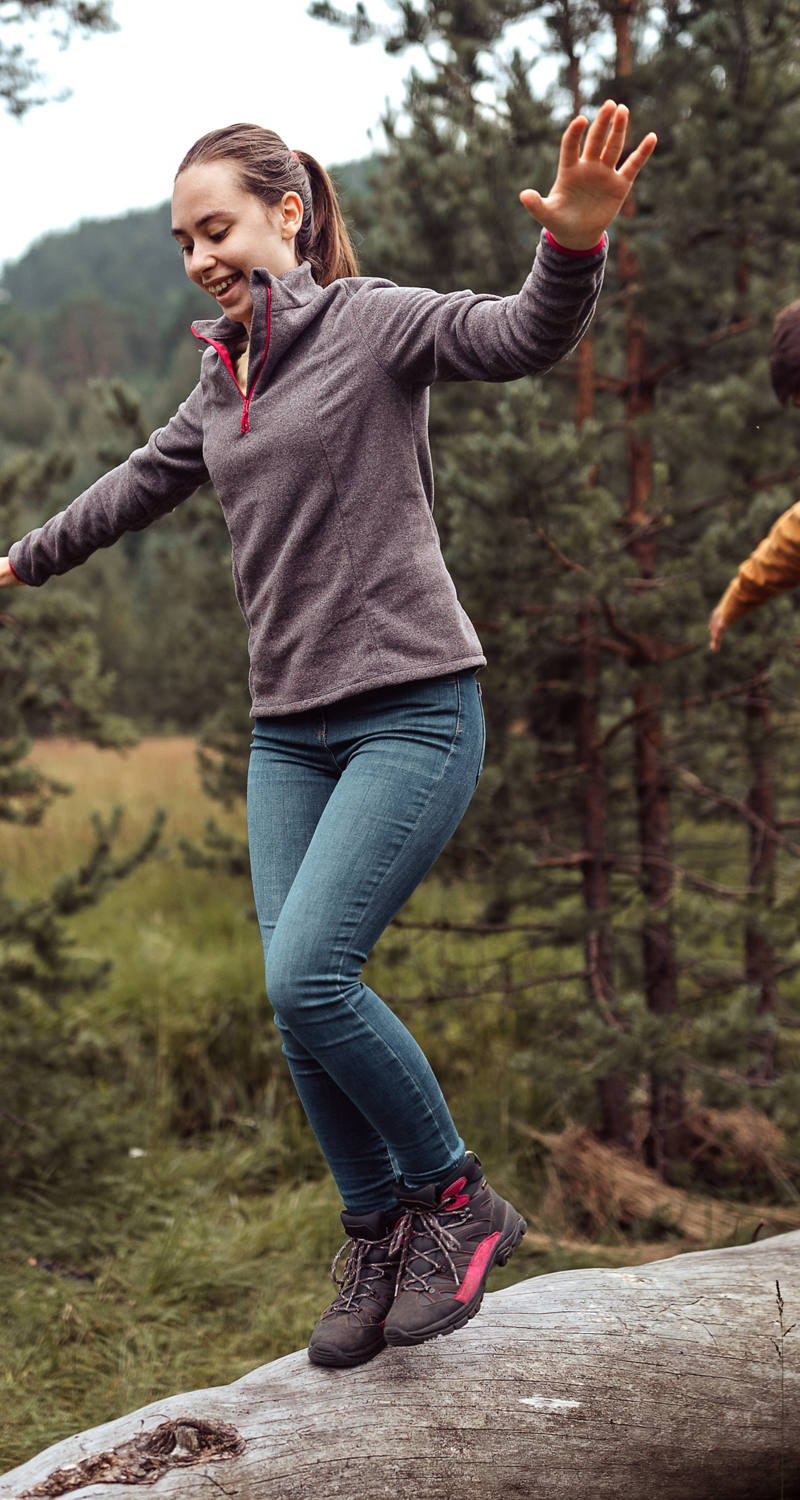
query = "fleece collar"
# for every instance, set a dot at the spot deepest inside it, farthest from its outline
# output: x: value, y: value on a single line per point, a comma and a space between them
x: 288, y: 293
x: 295, y: 299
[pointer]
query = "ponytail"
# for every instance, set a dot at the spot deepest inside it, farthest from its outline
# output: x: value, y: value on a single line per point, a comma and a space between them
x: 268, y: 169
x: 323, y: 239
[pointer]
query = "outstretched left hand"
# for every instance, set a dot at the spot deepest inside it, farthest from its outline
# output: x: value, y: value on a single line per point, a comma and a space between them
x: 8, y: 577
x: 589, y: 189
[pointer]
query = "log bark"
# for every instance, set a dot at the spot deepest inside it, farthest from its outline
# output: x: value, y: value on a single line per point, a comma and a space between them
x: 678, y: 1379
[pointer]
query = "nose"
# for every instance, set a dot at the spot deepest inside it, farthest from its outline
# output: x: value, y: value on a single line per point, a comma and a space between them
x: 201, y: 260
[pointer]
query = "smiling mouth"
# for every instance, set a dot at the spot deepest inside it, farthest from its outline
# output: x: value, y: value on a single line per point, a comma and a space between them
x: 219, y: 288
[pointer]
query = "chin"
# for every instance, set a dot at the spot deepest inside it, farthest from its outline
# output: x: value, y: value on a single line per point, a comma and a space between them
x: 240, y: 312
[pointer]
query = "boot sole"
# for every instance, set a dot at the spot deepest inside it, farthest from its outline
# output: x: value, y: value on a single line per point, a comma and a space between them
x: 503, y: 1251
x: 334, y: 1359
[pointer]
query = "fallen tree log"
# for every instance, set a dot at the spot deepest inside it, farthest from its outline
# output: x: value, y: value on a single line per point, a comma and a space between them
x: 676, y: 1380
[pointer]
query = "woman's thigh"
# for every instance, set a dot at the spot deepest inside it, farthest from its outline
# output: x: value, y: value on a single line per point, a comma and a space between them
x: 407, y: 760
x: 290, y: 779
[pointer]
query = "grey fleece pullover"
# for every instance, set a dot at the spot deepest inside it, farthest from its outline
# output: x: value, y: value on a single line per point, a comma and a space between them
x: 323, y: 469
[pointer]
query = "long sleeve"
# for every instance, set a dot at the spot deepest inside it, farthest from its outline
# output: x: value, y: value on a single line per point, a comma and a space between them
x: 420, y: 336
x: 149, y: 484
x: 771, y: 569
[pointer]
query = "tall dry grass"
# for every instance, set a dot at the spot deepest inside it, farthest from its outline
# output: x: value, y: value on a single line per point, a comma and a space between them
x: 154, y: 773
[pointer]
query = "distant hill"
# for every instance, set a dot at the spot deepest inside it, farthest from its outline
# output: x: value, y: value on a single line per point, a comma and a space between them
x: 128, y: 261
x: 110, y: 298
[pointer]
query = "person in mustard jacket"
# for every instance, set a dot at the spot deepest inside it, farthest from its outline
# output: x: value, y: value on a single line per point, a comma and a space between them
x: 774, y: 566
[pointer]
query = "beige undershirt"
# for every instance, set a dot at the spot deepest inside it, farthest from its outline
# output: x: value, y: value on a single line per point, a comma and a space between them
x: 241, y: 366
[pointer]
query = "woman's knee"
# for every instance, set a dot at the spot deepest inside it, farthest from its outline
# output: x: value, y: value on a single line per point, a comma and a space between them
x: 276, y: 977
x: 297, y: 974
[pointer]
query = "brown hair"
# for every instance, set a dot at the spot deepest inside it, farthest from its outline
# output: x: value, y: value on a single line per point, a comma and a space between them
x: 268, y: 169
x: 784, y: 353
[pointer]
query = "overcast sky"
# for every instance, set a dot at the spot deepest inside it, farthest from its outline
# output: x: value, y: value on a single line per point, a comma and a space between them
x: 175, y: 69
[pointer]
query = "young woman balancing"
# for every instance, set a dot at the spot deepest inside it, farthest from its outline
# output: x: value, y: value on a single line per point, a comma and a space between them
x: 310, y: 419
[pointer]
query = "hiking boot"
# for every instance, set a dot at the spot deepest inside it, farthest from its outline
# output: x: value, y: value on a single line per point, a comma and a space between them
x: 350, y: 1331
x: 450, y: 1236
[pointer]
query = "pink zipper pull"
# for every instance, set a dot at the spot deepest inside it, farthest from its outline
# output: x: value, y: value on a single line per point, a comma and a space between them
x: 245, y: 427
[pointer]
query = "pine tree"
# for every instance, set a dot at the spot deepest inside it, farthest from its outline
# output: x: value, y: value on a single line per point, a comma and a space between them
x: 50, y: 679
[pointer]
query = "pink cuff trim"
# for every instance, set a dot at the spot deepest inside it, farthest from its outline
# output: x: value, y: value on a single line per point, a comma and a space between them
x: 601, y: 244
x: 14, y: 571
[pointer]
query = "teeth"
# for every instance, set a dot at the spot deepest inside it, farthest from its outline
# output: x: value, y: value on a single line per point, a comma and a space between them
x: 216, y: 288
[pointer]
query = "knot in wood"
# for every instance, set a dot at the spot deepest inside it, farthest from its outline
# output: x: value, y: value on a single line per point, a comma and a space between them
x: 142, y: 1460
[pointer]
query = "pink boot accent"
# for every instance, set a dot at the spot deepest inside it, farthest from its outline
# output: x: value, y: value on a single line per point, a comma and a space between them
x: 477, y: 1268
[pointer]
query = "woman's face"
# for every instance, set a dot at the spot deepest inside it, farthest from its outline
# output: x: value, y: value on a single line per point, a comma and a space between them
x: 225, y: 232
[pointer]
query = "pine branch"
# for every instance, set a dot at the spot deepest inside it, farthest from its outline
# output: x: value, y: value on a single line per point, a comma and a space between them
x: 566, y: 562
x: 632, y: 864
x: 723, y: 799
x: 761, y: 679
x: 758, y: 483
x: 619, y: 386
x: 484, y: 992
x: 643, y: 650
x: 683, y: 359
x: 477, y: 929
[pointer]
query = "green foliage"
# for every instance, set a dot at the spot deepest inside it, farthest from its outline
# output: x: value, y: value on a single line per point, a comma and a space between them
x: 19, y: 71
x: 51, y: 679
x: 588, y: 610
x: 50, y: 1069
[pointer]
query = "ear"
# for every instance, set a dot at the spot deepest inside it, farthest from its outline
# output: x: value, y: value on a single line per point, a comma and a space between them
x: 290, y: 215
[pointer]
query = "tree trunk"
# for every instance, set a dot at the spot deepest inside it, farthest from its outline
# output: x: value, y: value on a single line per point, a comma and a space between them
x: 759, y: 953
x: 666, y: 1136
x: 665, y: 1139
x: 678, y: 1379
x: 616, y: 1120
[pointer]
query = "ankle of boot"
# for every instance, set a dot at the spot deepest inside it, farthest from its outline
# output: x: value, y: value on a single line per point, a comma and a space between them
x: 371, y: 1226
x: 428, y: 1194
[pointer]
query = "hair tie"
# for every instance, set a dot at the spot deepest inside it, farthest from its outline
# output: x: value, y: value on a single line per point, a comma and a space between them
x: 297, y: 159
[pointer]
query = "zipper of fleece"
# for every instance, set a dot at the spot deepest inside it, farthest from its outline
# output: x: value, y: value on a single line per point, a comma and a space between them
x: 228, y: 363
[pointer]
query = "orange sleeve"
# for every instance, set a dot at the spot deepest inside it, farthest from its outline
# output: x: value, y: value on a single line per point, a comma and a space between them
x: 771, y: 569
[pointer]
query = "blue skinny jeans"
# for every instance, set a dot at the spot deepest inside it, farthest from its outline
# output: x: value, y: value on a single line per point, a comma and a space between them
x: 348, y: 808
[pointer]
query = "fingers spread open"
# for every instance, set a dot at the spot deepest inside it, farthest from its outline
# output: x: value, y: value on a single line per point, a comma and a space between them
x: 637, y: 158
x: 570, y: 152
x: 615, y: 140
x: 597, y: 134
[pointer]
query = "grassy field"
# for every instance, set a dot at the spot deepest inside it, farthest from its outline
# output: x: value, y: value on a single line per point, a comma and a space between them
x: 190, y: 1241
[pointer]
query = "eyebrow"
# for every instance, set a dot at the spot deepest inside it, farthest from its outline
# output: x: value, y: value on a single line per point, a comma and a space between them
x: 218, y: 213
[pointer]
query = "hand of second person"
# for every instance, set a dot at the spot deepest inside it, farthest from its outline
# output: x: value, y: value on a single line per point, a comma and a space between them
x: 717, y: 625
x: 589, y: 189
x: 7, y: 575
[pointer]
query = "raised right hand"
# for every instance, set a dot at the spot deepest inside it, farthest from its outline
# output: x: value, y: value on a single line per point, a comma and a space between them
x: 590, y: 188
x: 7, y: 575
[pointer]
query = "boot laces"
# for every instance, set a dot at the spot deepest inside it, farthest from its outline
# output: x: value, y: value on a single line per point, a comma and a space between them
x: 359, y: 1275
x: 418, y: 1224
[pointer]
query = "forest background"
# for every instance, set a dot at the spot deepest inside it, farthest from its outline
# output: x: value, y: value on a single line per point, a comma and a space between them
x: 605, y: 966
